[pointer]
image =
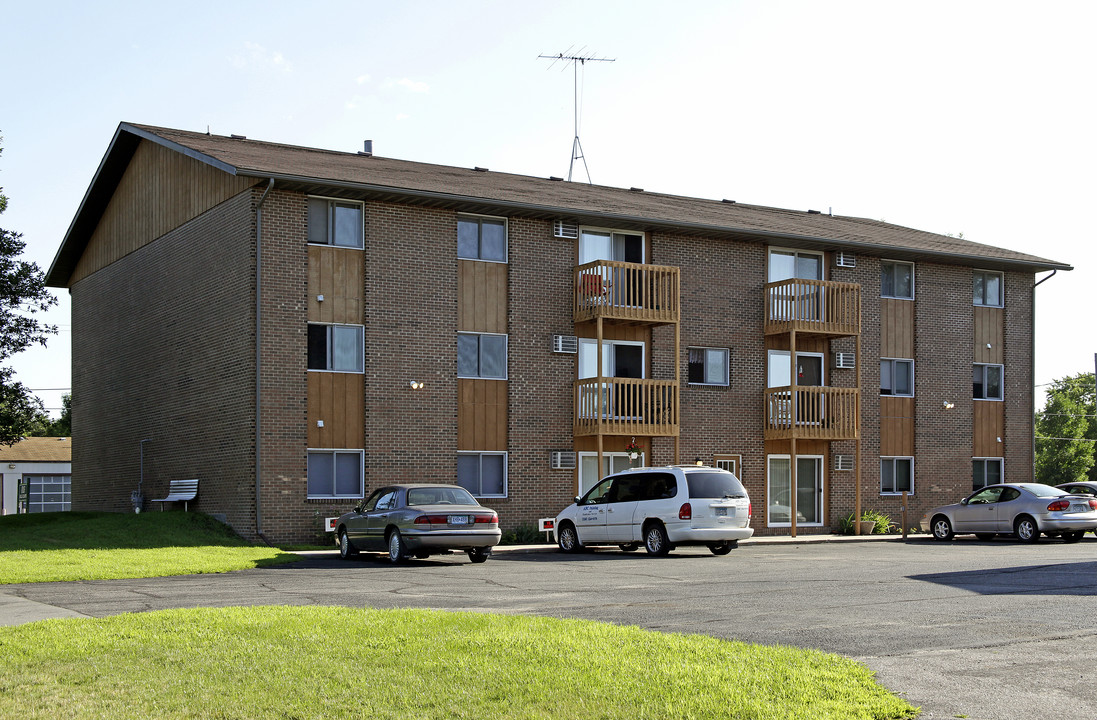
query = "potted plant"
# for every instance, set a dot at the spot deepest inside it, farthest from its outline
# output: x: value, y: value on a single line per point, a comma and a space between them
x: 633, y: 450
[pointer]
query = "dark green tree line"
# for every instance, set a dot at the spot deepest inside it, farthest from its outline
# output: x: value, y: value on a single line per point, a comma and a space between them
x: 1066, y: 432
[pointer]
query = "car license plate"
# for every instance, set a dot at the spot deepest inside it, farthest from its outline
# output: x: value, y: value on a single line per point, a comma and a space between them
x: 458, y: 519
x: 1079, y: 508
x: 725, y: 512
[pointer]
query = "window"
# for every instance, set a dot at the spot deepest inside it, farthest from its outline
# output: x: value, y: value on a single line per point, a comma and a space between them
x: 732, y: 463
x: 483, y: 474
x: 986, y: 382
x: 897, y: 377
x: 336, y: 347
x: 482, y: 356
x: 896, y: 475
x: 897, y: 280
x: 987, y: 288
x: 708, y: 366
x: 335, y: 222
x: 335, y: 473
x: 481, y: 238
x: 985, y: 471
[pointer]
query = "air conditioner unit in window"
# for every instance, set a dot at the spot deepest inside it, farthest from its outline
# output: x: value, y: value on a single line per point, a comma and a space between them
x: 845, y: 260
x: 565, y: 344
x: 843, y: 462
x: 562, y: 459
x: 845, y: 360
x: 564, y: 229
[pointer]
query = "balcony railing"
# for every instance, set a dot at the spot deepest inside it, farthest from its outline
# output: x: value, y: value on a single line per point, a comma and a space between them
x: 815, y: 413
x: 626, y: 406
x: 626, y: 291
x: 816, y: 306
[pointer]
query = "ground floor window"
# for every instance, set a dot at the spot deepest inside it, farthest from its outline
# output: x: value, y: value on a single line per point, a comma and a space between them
x: 48, y: 493
x: 484, y: 474
x: 335, y: 473
x: 614, y: 462
x: 732, y: 463
x: 896, y: 475
x: 809, y: 490
x: 985, y: 471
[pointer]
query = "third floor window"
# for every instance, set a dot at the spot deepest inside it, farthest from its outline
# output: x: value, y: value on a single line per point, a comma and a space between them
x: 987, y: 288
x: 335, y: 222
x: 897, y: 280
x: 481, y: 238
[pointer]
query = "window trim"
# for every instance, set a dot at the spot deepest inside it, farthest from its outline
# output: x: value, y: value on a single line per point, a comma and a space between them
x: 334, y: 451
x: 480, y: 478
x: 361, y: 245
x: 736, y: 459
x: 1001, y: 471
x: 727, y: 366
x: 612, y: 231
x: 884, y: 261
x: 480, y: 237
x: 1001, y: 382
x: 330, y: 354
x: 480, y: 357
x: 897, y: 360
x: 796, y: 252
x: 892, y: 459
x: 1001, y: 288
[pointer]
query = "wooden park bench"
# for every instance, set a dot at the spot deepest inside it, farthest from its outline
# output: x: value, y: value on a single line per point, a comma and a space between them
x: 179, y: 491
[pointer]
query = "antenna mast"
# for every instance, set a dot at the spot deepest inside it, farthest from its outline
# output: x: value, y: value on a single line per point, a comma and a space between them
x: 575, y: 60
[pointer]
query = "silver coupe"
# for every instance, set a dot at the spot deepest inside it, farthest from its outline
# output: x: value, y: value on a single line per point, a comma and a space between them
x: 1021, y: 509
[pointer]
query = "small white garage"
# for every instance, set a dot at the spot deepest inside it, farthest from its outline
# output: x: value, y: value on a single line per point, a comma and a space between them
x: 37, y: 475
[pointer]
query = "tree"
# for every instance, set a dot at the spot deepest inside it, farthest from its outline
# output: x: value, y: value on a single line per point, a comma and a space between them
x: 43, y: 426
x: 1066, y: 432
x: 22, y: 293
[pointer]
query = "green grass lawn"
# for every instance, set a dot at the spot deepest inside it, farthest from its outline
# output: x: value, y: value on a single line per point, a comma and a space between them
x: 326, y: 662
x: 43, y: 547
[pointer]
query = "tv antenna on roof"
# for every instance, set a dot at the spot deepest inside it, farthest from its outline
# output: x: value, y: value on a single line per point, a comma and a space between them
x: 575, y: 60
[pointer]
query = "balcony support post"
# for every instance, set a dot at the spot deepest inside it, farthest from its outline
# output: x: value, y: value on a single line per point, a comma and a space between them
x: 857, y: 451
x: 678, y: 386
x: 600, y: 409
x: 792, y: 448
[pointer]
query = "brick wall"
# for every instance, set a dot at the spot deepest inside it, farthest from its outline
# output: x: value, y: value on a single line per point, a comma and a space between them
x: 164, y: 351
x: 1018, y: 397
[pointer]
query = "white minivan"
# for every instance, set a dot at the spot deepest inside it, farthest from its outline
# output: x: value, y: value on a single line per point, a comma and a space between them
x: 661, y: 507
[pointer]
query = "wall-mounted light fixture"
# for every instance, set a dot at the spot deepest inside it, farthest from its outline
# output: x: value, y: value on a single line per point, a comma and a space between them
x: 697, y: 461
x: 11, y: 466
x: 319, y: 298
x: 319, y: 423
x: 948, y: 405
x: 416, y: 385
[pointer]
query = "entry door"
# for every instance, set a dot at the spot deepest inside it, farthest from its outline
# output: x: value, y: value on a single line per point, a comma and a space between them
x: 809, y: 373
x: 615, y: 247
x: 588, y: 468
x: 619, y: 360
x: 809, y: 491
x: 796, y: 301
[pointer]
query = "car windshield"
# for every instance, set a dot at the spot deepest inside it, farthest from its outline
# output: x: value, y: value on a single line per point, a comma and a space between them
x: 440, y: 496
x: 714, y: 485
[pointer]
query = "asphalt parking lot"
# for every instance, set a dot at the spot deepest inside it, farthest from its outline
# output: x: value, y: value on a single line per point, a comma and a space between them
x: 963, y: 629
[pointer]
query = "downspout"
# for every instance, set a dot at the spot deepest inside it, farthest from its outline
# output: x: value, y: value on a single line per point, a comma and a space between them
x: 258, y: 359
x: 1032, y: 368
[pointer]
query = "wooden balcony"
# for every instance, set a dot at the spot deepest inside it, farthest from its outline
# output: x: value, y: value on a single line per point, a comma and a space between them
x: 813, y: 413
x: 626, y: 406
x: 813, y: 306
x: 632, y: 292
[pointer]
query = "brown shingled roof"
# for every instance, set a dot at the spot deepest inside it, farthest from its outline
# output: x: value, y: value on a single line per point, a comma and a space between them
x: 358, y: 175
x: 38, y: 449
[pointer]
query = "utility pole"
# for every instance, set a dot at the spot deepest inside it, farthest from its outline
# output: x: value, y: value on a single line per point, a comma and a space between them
x: 576, y: 59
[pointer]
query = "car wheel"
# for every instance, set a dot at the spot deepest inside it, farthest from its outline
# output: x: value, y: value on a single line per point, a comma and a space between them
x: 655, y: 539
x: 942, y: 528
x: 1073, y: 537
x: 346, y: 549
x: 396, y: 547
x: 629, y: 547
x: 985, y: 536
x: 721, y: 548
x: 569, y: 539
x: 1026, y: 529
x: 479, y: 555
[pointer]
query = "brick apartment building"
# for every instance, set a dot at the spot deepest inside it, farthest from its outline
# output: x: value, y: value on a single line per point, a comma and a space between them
x: 296, y: 326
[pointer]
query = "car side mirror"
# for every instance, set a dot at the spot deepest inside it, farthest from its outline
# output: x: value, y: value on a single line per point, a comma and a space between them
x: 964, y: 501
x: 358, y: 508
x: 576, y: 500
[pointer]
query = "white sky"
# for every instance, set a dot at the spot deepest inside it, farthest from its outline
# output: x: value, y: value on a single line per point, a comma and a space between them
x: 972, y: 117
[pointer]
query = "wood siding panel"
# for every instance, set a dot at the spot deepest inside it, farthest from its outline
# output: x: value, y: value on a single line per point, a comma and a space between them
x: 481, y: 296
x: 159, y: 191
x: 896, y: 426
x: 337, y: 274
x: 338, y: 400
x: 989, y: 330
x: 481, y: 414
x: 989, y: 425
x: 896, y: 328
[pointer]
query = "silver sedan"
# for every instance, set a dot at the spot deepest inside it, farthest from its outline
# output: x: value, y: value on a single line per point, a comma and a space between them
x: 1021, y: 509
x: 419, y: 520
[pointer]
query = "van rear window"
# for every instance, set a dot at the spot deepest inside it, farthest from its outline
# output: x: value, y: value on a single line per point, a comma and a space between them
x: 714, y: 485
